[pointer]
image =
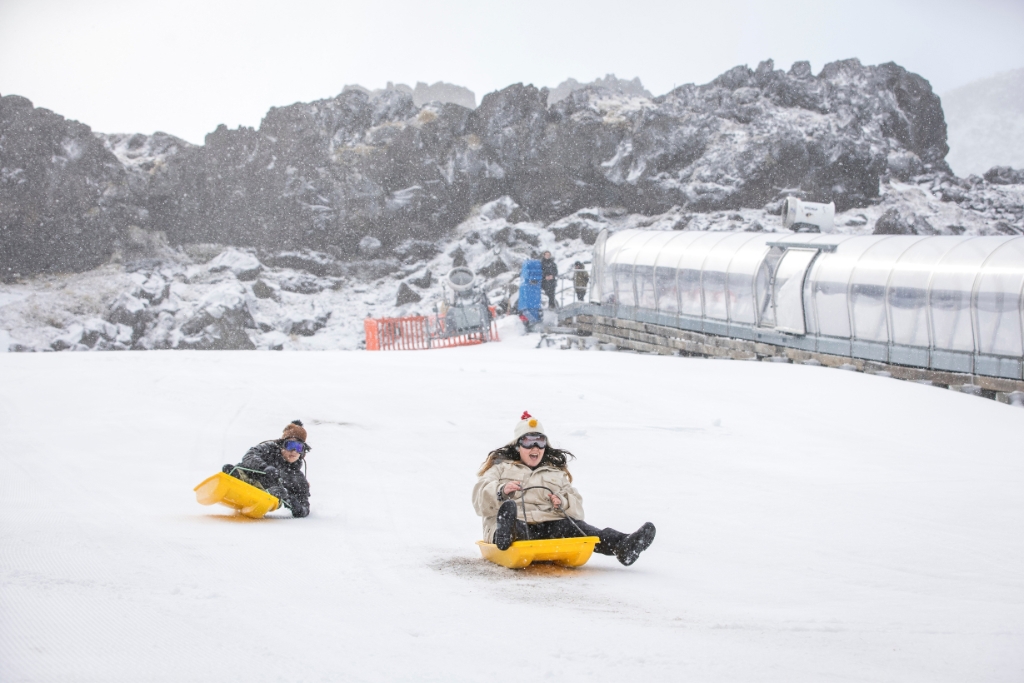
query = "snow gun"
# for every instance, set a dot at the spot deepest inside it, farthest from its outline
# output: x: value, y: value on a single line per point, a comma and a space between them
x: 801, y: 216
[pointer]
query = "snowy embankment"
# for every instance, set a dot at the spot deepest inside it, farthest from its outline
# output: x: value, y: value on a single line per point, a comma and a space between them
x: 813, y: 524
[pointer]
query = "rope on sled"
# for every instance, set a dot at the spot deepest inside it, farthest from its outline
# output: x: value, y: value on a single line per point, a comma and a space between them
x: 246, y: 469
x: 522, y: 499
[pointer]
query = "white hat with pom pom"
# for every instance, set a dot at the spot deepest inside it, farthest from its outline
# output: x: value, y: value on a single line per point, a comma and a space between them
x: 528, y: 424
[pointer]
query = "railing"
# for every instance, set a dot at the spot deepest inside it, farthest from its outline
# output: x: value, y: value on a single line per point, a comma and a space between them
x: 565, y: 294
x: 418, y: 332
x: 931, y: 359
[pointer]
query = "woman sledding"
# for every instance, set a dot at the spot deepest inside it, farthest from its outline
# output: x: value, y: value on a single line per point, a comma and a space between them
x: 530, y: 473
x: 276, y: 467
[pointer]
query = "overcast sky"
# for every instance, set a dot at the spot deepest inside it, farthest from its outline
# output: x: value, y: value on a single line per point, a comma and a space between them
x: 185, y: 66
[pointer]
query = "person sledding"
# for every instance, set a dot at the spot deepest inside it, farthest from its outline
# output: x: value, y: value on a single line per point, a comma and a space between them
x: 276, y: 466
x: 525, y: 492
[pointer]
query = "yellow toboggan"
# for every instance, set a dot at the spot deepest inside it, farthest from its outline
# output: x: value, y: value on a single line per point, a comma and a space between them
x: 236, y: 494
x: 567, y: 552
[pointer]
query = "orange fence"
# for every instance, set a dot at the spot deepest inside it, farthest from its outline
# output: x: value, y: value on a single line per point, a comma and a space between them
x: 420, y: 332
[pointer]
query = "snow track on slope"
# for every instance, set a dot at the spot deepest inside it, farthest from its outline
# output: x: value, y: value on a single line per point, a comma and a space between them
x: 813, y: 525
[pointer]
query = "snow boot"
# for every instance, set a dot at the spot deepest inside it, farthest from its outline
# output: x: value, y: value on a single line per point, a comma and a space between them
x: 629, y: 548
x: 505, y: 533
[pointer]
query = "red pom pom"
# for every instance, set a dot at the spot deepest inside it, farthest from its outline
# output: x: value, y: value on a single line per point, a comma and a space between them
x: 526, y: 416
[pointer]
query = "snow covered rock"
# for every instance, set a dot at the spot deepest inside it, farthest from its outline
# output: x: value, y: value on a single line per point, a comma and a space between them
x: 351, y: 172
x: 299, y: 283
x: 305, y: 320
x: 316, y: 263
x: 262, y: 290
x: 364, y: 175
x: 1004, y: 175
x: 406, y: 295
x: 369, y: 245
x: 243, y: 264
x: 132, y: 312
x: 220, y: 321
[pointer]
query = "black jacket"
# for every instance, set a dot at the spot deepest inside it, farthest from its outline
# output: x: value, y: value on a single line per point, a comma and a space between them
x: 290, y: 483
x: 548, y: 267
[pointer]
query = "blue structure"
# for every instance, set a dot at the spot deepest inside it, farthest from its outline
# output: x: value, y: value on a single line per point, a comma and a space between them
x: 529, y: 292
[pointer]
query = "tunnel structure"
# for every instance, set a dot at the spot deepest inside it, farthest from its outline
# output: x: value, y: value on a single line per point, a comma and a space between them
x: 952, y: 304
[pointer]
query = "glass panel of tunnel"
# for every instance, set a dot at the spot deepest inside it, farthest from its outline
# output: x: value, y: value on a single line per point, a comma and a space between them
x: 691, y: 264
x: 997, y: 301
x: 597, y: 267
x: 715, y: 271
x: 666, y: 272
x: 612, y: 245
x: 907, y: 295
x: 868, y: 285
x: 644, y: 272
x: 830, y: 285
x: 951, y: 292
x: 789, y: 290
x: 622, y: 266
x: 740, y: 281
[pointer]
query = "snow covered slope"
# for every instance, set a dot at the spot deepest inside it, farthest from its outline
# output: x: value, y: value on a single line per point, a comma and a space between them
x: 813, y: 525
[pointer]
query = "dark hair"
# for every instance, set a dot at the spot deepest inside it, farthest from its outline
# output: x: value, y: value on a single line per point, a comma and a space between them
x: 556, y: 457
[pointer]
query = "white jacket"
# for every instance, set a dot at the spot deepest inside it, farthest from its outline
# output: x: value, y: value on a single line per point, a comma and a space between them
x: 538, y: 505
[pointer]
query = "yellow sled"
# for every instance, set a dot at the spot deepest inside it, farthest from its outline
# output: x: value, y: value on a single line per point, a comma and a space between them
x: 568, y: 552
x: 236, y: 494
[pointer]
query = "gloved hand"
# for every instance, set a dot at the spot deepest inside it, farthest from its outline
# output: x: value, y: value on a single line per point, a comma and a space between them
x: 280, y: 493
x: 271, y: 472
x: 227, y: 468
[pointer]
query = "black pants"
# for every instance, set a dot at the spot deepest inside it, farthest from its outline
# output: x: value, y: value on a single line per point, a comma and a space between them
x: 580, y: 293
x: 563, y: 528
x: 549, y: 288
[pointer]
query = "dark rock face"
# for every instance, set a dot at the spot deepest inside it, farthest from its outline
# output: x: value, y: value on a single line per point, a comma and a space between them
x: 341, y: 175
x: 326, y: 175
x: 1004, y: 175
x: 61, y: 192
x: 893, y: 223
x: 424, y: 282
x: 406, y: 295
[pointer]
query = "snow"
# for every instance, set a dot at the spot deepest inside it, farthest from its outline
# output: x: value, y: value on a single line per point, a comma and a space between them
x: 813, y: 525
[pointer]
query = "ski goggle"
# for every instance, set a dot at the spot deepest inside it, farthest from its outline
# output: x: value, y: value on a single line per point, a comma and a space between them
x: 534, y: 442
x: 296, y: 446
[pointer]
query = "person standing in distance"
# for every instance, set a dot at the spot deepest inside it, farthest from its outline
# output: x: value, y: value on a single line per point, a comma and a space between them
x: 580, y: 280
x: 549, y: 275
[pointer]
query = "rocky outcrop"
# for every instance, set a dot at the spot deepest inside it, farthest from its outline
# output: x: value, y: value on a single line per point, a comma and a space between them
x: 1004, y: 175
x: 332, y: 172
x: 619, y: 86
x: 62, y: 193
x: 444, y: 93
x: 363, y: 177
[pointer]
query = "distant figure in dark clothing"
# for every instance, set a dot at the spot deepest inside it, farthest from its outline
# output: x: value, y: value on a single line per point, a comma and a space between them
x: 580, y: 280
x: 549, y: 272
x: 276, y: 467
